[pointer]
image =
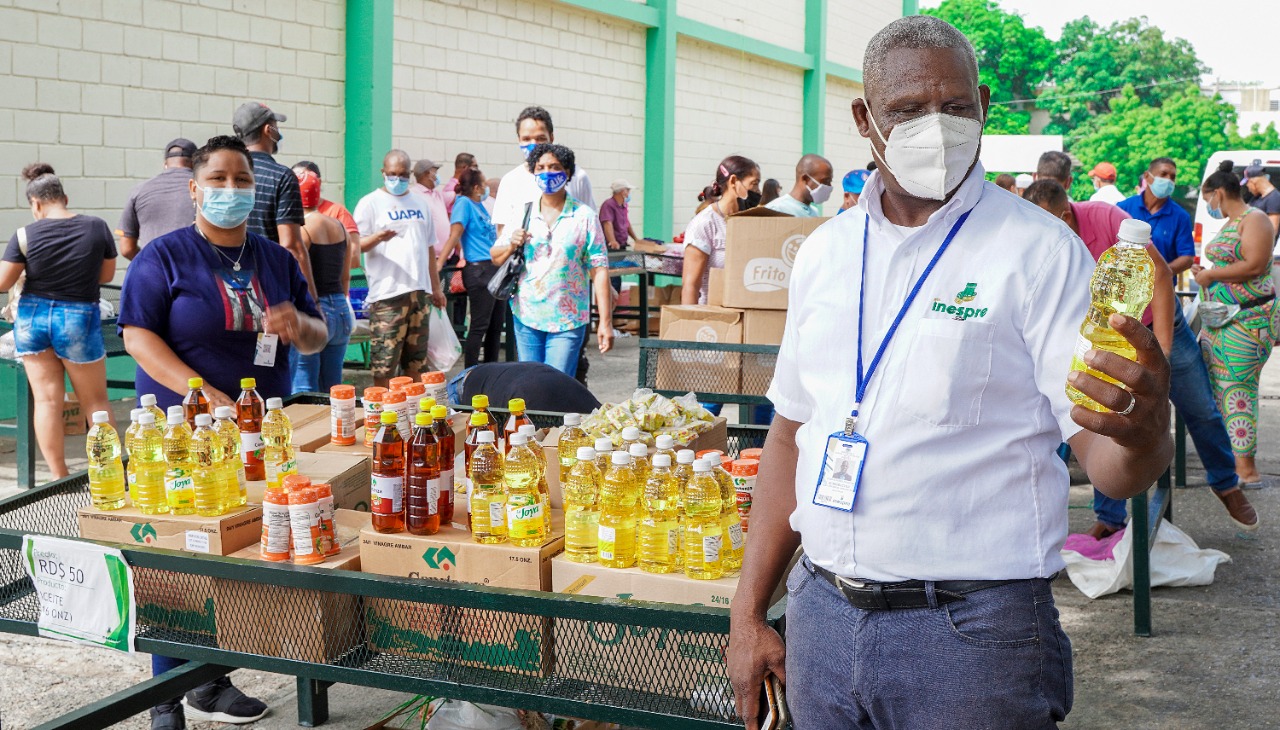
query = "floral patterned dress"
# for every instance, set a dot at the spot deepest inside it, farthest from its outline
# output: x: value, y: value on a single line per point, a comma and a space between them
x: 554, y: 293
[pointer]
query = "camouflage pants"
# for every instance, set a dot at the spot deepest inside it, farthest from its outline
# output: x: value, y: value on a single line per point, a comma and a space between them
x: 398, y: 335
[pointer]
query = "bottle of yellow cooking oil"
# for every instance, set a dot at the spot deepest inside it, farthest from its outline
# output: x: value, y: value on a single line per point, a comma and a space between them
x: 630, y: 435
x: 572, y: 438
x: 703, y: 530
x: 660, y: 527
x: 130, y: 434
x: 604, y: 451
x: 526, y: 519
x: 1122, y: 283
x: 544, y: 489
x: 684, y: 468
x: 488, y: 493
x: 581, y: 490
x: 730, y: 521
x: 233, y: 464
x: 206, y: 458
x: 179, y: 487
x: 106, y: 471
x: 277, y: 444
x: 146, y: 458
x: 640, y: 460
x: 665, y: 444
x: 148, y: 403
x: 619, y: 493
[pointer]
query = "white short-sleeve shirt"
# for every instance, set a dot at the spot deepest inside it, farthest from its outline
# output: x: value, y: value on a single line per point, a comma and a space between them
x: 968, y: 406
x: 401, y: 264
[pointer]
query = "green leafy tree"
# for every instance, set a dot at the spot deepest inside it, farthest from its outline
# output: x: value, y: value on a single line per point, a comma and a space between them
x: 1092, y: 61
x: 1256, y: 139
x: 1013, y: 59
x: 1187, y: 127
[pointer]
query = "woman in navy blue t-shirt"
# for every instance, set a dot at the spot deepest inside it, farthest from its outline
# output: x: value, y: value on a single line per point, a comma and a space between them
x: 198, y: 302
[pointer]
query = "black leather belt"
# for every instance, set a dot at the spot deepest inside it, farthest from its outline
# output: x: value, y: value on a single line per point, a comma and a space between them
x: 1251, y: 303
x: 872, y: 596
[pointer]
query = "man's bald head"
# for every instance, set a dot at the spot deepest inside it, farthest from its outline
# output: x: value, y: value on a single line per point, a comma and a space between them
x: 913, y: 31
x: 816, y: 167
x: 396, y: 163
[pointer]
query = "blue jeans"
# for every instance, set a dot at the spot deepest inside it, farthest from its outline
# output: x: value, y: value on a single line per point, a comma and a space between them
x: 1192, y: 394
x: 557, y: 349
x: 998, y: 659
x: 323, y: 370
x: 72, y: 329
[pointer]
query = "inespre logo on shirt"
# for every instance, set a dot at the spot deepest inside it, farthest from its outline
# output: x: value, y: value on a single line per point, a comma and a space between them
x: 958, y: 311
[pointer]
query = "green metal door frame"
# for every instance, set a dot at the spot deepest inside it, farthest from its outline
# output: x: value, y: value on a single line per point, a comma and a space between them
x: 660, y: 121
x: 815, y: 79
x: 370, y: 69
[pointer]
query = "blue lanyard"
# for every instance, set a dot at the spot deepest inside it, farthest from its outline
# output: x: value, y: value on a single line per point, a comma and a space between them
x: 864, y: 379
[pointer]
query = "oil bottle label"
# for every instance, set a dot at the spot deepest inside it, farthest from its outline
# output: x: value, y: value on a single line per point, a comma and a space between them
x: 735, y: 537
x: 607, y: 537
x: 711, y: 548
x: 673, y: 541
x: 1083, y: 345
x: 524, y: 521
x: 433, y: 496
x: 446, y: 481
x: 275, y: 529
x: 178, y: 480
x: 497, y: 517
x: 388, y: 495
x: 251, y: 446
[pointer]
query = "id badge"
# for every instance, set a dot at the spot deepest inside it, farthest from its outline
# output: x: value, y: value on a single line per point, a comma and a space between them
x: 265, y: 352
x: 841, y: 471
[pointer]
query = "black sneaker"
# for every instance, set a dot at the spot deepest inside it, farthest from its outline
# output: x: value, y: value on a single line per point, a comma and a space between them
x: 168, y: 717
x: 219, y: 701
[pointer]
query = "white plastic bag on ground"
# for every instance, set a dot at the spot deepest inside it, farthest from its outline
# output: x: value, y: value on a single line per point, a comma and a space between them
x: 443, y: 348
x: 458, y: 715
x: 1176, y: 560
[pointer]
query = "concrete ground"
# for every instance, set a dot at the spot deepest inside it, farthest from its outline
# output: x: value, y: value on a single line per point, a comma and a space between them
x: 1211, y: 664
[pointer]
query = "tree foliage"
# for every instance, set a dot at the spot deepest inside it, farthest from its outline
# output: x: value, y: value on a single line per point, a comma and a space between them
x: 1256, y: 139
x: 1013, y: 59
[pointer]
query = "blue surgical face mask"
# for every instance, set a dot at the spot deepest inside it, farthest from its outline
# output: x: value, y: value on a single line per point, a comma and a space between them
x: 437, y: 182
x: 1214, y: 213
x: 1161, y: 187
x: 551, y: 183
x: 525, y: 149
x: 627, y: 200
x: 396, y: 185
x: 227, y: 207
x: 484, y: 195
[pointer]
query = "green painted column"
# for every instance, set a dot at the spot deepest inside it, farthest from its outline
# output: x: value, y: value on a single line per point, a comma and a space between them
x: 815, y: 79
x: 370, y: 39
x: 660, y: 122
x: 910, y: 7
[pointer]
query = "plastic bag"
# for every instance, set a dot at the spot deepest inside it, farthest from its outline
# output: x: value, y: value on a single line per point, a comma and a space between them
x: 458, y: 715
x: 1176, y: 560
x: 443, y: 348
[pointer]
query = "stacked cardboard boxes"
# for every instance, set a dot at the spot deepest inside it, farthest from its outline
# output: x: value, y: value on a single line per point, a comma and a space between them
x: 746, y: 304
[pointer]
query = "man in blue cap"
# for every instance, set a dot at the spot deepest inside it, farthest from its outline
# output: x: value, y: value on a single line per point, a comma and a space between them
x: 853, y: 183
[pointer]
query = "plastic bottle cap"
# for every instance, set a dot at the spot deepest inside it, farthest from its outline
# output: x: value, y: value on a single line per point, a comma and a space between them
x: 374, y: 393
x: 101, y: 416
x: 665, y: 442
x: 515, y: 404
x: 485, y: 437
x: 414, y: 389
x: 422, y: 419
x: 432, y: 378
x: 586, y: 453
x: 148, y: 400
x: 204, y: 419
x: 342, y: 392
x: 702, y: 467
x: 274, y: 404
x: 638, y: 450
x: 479, y: 419
x: 519, y: 439
x: 176, y: 410
x: 388, y: 417
x: 479, y: 401
x: 630, y: 433
x: 710, y: 452
x: 147, y: 419
x: 685, y: 456
x: 528, y: 429
x: 662, y: 460
x: 295, y: 481
x: 248, y: 383
x: 175, y: 418
x: 426, y: 404
x: 222, y: 412
x: 393, y: 397
x: 621, y: 458
x: 194, y: 383
x: 439, y: 412
x: 302, y: 495
x: 603, y: 445
x: 133, y: 414
x: 745, y: 468
x: 1135, y: 231
x: 573, y: 419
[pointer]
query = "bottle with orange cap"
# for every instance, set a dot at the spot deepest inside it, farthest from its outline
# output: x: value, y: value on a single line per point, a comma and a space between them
x: 387, y: 502
x: 444, y: 437
x: 437, y: 388
x: 373, y: 396
x: 250, y: 410
x: 304, y: 524
x: 276, y: 536
x: 515, y: 420
x: 422, y: 465
x: 394, y: 402
x: 413, y: 395
x: 328, y: 530
x: 398, y: 382
x: 342, y: 414
x: 744, y: 473
x: 195, y: 401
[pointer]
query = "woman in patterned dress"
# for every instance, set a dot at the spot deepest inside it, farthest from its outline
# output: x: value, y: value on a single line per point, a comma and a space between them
x: 1241, y: 255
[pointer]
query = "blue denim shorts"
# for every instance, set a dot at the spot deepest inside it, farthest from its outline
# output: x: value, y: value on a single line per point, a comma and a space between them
x: 72, y: 329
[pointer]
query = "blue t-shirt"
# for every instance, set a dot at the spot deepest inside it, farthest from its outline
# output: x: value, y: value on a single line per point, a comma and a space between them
x: 478, y: 233
x: 180, y: 288
x: 1171, y: 231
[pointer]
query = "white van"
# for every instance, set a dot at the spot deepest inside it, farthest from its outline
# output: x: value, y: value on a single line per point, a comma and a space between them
x: 1207, y: 228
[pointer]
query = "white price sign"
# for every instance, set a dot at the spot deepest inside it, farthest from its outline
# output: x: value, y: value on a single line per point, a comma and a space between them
x: 85, y: 591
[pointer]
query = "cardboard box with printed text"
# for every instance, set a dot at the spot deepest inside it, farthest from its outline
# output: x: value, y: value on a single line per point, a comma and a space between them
x: 701, y: 371
x: 760, y: 249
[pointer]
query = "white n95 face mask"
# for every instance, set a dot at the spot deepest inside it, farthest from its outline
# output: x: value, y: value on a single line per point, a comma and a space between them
x: 930, y: 155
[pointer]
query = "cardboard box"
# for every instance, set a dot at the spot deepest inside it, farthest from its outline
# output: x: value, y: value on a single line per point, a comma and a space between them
x: 333, y: 623
x: 175, y: 601
x: 74, y: 420
x: 759, y: 253
x: 705, y: 372
x: 763, y: 326
x: 675, y: 663
x: 349, y: 475
x: 448, y: 634
x: 716, y: 437
x: 715, y: 288
x: 301, y: 414
x: 212, y: 535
